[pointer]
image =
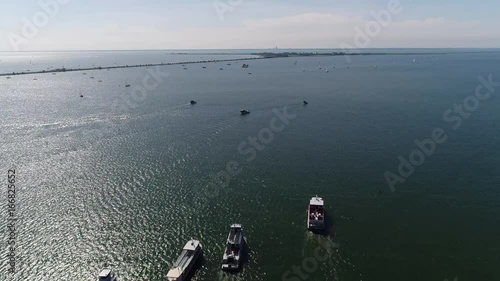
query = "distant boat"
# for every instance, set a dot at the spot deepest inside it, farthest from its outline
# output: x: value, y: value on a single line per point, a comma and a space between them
x: 128, y: 85
x: 193, y: 102
x: 305, y: 102
x: 190, y: 254
x: 414, y: 60
x: 375, y: 66
x: 245, y: 66
x: 249, y: 72
x: 303, y: 70
x: 91, y: 77
x: 99, y: 81
x: 81, y: 96
x: 84, y: 73
x: 204, y: 67
x: 235, y: 245
x: 326, y: 70
x: 244, y: 111
x: 228, y: 64
x: 221, y: 68
x: 295, y: 63
x: 107, y: 275
x: 35, y: 79
x: 8, y: 77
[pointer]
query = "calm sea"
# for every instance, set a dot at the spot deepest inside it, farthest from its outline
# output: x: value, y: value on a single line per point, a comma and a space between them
x: 123, y: 176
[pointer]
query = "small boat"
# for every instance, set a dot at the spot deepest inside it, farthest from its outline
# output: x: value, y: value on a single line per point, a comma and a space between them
x: 245, y: 66
x: 204, y: 67
x: 193, y: 102
x: 221, y: 68
x: 228, y: 64
x: 107, y: 275
x: 99, y: 81
x: 128, y: 85
x: 190, y: 254
x: 234, y: 248
x: 35, y: 79
x: 326, y: 70
x: 316, y: 214
x: 91, y: 77
x: 249, y: 72
x: 375, y: 66
x: 84, y: 73
x: 81, y: 96
x: 244, y: 111
x: 8, y: 77
x: 305, y: 102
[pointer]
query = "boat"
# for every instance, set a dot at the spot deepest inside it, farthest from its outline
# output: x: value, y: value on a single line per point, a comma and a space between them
x: 326, y: 70
x: 234, y: 248
x: 244, y: 111
x: 204, y: 67
x: 193, y: 102
x: 316, y: 214
x: 8, y: 77
x: 305, y: 102
x: 128, y: 85
x: 190, y: 254
x: 81, y: 96
x: 107, y: 275
x: 245, y: 66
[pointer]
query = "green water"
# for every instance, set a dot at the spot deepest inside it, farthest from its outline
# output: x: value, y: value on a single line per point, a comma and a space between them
x: 103, y: 182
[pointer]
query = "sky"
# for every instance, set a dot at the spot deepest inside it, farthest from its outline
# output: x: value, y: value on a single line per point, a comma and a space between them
x: 32, y: 25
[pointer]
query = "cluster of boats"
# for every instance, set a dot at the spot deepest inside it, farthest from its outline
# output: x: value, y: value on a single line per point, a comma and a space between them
x: 193, y: 251
x: 234, y: 249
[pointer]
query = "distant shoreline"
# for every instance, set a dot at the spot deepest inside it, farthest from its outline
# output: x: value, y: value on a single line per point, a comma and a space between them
x: 269, y: 55
x: 265, y: 55
x: 57, y: 70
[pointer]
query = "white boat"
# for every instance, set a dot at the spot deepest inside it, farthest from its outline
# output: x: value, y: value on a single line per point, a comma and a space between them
x: 316, y: 214
x: 244, y: 111
x: 190, y: 254
x: 107, y: 275
x: 233, y: 251
x: 326, y: 70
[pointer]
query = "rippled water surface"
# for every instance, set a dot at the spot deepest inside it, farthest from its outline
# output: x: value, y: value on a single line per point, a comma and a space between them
x: 121, y: 177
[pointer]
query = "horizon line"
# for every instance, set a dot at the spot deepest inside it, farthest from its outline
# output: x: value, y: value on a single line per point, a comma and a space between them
x: 238, y: 49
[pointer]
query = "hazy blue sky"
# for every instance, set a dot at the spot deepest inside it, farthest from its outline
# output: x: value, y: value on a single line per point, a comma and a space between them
x: 193, y: 24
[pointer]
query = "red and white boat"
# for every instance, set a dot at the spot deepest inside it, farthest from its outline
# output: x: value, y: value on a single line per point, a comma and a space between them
x: 316, y: 214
